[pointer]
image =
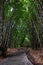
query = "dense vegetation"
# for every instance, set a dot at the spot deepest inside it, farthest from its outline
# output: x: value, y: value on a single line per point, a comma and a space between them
x: 21, y: 23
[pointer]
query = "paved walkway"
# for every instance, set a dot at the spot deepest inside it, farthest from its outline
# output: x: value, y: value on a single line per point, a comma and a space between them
x: 20, y: 59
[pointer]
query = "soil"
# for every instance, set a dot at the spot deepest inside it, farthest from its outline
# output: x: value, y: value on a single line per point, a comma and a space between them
x: 35, y: 56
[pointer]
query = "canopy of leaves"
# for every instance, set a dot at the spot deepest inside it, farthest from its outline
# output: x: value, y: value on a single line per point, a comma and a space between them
x: 23, y: 13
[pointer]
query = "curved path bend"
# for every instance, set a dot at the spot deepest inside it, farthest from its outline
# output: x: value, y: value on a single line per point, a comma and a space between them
x: 19, y: 58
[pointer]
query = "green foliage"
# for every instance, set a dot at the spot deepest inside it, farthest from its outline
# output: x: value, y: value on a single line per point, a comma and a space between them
x: 24, y: 12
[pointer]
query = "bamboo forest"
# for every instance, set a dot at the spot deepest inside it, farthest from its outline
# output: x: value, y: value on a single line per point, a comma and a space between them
x: 21, y: 32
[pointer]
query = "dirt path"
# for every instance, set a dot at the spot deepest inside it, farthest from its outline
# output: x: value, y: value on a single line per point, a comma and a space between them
x: 19, y: 58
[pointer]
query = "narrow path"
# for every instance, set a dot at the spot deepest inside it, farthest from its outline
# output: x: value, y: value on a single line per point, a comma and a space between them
x: 20, y: 58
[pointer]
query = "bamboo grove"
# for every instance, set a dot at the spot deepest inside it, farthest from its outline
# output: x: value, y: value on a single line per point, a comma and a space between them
x: 21, y: 23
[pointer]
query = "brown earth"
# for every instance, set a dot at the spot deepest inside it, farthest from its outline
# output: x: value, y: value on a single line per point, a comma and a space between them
x: 35, y: 56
